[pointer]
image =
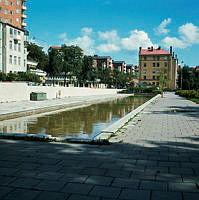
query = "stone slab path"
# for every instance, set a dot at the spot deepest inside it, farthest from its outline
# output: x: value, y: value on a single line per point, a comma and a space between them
x: 154, y: 157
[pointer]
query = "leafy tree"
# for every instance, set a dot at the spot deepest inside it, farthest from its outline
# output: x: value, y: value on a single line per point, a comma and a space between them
x: 106, y: 76
x: 37, y: 54
x: 163, y: 80
x: 72, y: 61
x: 88, y: 71
x: 55, y: 63
x: 2, y: 76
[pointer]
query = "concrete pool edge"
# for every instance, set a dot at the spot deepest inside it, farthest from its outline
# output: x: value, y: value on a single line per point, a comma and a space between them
x: 109, y: 131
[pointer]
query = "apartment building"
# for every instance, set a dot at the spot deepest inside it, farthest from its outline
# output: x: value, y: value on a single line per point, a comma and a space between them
x: 13, y: 50
x: 102, y: 62
x: 153, y: 62
x: 120, y: 66
x: 13, y: 12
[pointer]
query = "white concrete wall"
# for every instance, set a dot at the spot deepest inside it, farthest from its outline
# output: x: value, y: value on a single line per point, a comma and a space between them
x: 21, y: 91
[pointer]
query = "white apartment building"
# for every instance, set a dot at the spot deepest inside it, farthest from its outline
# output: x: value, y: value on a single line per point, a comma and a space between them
x: 13, y: 50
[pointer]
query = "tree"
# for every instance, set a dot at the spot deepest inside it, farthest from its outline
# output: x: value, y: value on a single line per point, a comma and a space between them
x: 163, y: 80
x: 37, y: 54
x: 55, y: 63
x: 72, y: 59
x: 89, y: 73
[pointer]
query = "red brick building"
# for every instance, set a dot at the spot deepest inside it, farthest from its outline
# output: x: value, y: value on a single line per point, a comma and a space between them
x: 102, y: 62
x: 13, y: 12
x: 120, y: 66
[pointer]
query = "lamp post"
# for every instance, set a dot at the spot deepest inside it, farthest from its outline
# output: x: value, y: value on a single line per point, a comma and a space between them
x: 181, y: 74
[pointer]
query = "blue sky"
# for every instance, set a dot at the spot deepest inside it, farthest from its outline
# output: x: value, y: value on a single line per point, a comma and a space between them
x: 117, y: 27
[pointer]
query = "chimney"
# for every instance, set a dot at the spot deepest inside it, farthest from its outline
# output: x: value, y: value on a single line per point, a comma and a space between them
x: 171, y: 49
x: 140, y: 48
x: 173, y: 54
x: 151, y: 48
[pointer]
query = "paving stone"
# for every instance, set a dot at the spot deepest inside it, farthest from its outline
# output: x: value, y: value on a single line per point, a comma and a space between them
x: 169, y: 177
x: 183, y: 187
x: 93, y: 171
x: 151, y: 185
x: 182, y: 171
x: 99, y: 180
x: 135, y: 194
x: 102, y: 191
x: 48, y: 185
x: 191, y: 179
x: 50, y: 175
x: 22, y: 194
x: 190, y: 196
x: 82, y: 197
x: 52, y: 196
x: 25, y: 183
x: 75, y: 178
x: 77, y: 188
x: 159, y: 195
x: 8, y: 171
x: 118, y: 173
x: 5, y: 180
x: 125, y: 183
x: 4, y: 191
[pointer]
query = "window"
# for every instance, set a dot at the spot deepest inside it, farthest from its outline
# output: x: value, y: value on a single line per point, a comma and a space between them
x: 19, y: 60
x: 11, y: 12
x: 18, y: 2
x: 145, y: 58
x: 158, y: 78
x: 15, y: 46
x: 11, y: 32
x: 153, y: 64
x: 153, y: 77
x: 157, y: 83
x: 144, y: 64
x: 165, y: 57
x: 158, y: 57
x: 10, y: 59
x: 11, y: 21
x: 10, y: 44
x: 5, y: 20
x: 15, y: 32
x: 5, y: 11
x: 19, y: 47
x: 165, y: 64
x: 17, y: 19
x: 18, y: 11
x: 11, y: 3
x: 158, y: 64
x: 144, y: 71
x: 6, y: 2
x: 15, y: 60
x: 0, y: 9
x: 144, y: 77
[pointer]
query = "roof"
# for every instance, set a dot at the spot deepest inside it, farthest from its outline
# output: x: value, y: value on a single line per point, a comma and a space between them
x: 101, y: 57
x: 118, y: 61
x: 151, y: 51
x: 55, y: 47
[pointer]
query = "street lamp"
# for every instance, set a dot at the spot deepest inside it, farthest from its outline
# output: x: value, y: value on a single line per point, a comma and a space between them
x: 181, y: 74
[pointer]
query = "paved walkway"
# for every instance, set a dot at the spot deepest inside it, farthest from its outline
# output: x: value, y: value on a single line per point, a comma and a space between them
x: 157, y: 160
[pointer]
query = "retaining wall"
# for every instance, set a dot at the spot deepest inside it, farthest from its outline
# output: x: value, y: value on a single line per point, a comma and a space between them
x: 21, y: 91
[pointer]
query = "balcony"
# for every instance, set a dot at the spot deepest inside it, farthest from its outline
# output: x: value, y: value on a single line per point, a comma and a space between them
x: 24, y: 7
x: 24, y: 24
x: 24, y: 16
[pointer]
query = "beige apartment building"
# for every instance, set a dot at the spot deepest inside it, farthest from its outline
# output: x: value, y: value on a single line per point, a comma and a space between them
x: 155, y: 62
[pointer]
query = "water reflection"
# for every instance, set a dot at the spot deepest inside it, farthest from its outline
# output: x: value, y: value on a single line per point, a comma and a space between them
x: 81, y: 122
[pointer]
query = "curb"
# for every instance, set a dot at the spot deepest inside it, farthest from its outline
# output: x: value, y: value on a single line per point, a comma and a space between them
x: 106, y: 134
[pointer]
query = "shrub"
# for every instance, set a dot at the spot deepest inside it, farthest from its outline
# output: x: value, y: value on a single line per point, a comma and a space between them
x: 188, y: 93
x: 2, y: 76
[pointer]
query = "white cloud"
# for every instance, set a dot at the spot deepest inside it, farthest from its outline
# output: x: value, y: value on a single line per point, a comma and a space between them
x: 135, y: 40
x: 161, y: 29
x: 108, y: 48
x: 188, y: 36
x: 62, y: 36
x: 189, y: 33
x: 86, y: 31
x: 175, y: 42
x: 84, y: 41
x: 110, y: 36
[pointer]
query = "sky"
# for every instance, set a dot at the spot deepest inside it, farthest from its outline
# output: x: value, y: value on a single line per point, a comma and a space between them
x: 117, y: 28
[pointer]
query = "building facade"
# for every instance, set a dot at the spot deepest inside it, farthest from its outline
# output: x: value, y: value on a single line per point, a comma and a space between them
x: 119, y: 66
x: 102, y: 62
x: 13, y: 12
x: 154, y: 62
x: 13, y: 48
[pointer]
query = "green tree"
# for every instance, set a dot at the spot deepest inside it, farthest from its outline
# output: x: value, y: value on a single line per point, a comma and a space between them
x: 55, y: 63
x: 37, y: 54
x: 88, y: 71
x: 163, y: 80
x: 72, y: 59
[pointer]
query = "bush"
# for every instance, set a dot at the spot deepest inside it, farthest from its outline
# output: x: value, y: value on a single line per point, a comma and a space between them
x: 138, y: 90
x: 2, y: 76
x: 188, y: 93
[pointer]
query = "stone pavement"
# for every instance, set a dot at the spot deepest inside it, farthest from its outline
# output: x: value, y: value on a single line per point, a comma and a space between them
x: 158, y: 159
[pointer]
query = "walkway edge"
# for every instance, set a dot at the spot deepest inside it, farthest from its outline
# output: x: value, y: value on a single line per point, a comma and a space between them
x: 106, y: 134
